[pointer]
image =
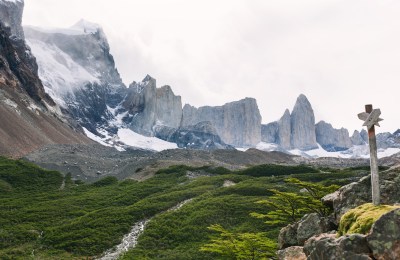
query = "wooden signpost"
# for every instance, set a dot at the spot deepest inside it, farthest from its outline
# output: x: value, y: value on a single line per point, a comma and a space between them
x: 371, y: 118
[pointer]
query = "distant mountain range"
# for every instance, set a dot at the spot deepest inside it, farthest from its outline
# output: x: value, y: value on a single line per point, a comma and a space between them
x: 81, y: 90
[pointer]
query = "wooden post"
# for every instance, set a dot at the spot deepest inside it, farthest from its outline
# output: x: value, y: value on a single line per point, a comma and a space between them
x: 373, y: 161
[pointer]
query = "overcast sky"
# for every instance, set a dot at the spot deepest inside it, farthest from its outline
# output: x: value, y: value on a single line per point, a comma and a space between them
x: 342, y: 54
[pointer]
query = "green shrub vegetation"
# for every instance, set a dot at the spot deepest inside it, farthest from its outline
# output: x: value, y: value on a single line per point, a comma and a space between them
x: 39, y: 220
x: 360, y: 219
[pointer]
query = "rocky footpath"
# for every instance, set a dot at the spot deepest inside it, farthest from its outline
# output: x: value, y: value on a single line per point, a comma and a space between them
x: 314, y: 237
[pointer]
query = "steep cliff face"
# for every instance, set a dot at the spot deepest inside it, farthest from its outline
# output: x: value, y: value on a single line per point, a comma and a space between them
x: 140, y: 103
x: 356, y: 138
x: 168, y: 107
x: 237, y: 123
x: 302, y: 123
x: 269, y: 132
x: 11, y: 16
x: 149, y: 106
x: 331, y: 139
x: 278, y: 132
x: 27, y: 114
x: 284, y: 133
x: 202, y: 136
x: 78, y: 72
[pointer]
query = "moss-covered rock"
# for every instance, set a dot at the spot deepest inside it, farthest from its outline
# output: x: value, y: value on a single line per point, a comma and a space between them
x: 384, y: 239
x: 360, y: 219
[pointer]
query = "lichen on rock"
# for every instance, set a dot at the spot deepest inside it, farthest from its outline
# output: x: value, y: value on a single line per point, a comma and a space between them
x: 360, y: 219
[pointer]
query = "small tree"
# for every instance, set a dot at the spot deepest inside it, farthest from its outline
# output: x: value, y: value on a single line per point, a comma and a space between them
x: 287, y: 207
x: 240, y: 246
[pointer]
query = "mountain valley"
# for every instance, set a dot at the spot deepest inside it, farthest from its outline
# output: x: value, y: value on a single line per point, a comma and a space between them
x: 94, y: 168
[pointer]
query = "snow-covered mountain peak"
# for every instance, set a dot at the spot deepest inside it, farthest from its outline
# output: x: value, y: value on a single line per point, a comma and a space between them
x: 82, y: 27
x: 12, y: 1
x: 86, y: 27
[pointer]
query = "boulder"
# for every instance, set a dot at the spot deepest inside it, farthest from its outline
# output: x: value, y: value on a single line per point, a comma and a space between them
x: 296, y: 234
x: 288, y: 236
x: 328, y: 247
x: 311, y: 225
x: 292, y: 253
x: 302, y: 122
x: 384, y: 238
x: 358, y: 193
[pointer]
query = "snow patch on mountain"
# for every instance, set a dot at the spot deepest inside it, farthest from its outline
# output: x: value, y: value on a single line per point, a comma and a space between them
x: 133, y: 139
x: 60, y: 74
x: 356, y: 151
x: 95, y: 137
x: 126, y: 137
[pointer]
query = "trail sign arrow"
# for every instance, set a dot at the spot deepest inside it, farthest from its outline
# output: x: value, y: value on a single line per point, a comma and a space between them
x: 371, y: 119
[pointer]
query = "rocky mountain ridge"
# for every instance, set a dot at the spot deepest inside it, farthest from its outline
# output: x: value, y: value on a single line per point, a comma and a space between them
x: 80, y: 76
x: 298, y: 131
x: 100, y: 102
x: 28, y: 114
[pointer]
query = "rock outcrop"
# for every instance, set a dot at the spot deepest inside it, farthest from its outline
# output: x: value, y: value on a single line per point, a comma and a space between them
x: 269, y: 132
x: 356, y: 138
x: 168, y: 107
x: 29, y: 118
x: 293, y: 131
x: 302, y: 123
x: 292, y: 253
x: 284, y: 133
x: 297, y: 233
x: 384, y: 238
x: 364, y: 135
x: 11, y: 16
x: 149, y: 106
x: 388, y: 140
x: 381, y: 242
x: 237, y: 123
x: 328, y: 247
x: 332, y: 139
x: 79, y: 72
x: 358, y: 193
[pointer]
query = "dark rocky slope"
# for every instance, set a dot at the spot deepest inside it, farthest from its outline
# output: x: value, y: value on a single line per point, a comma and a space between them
x: 29, y: 118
